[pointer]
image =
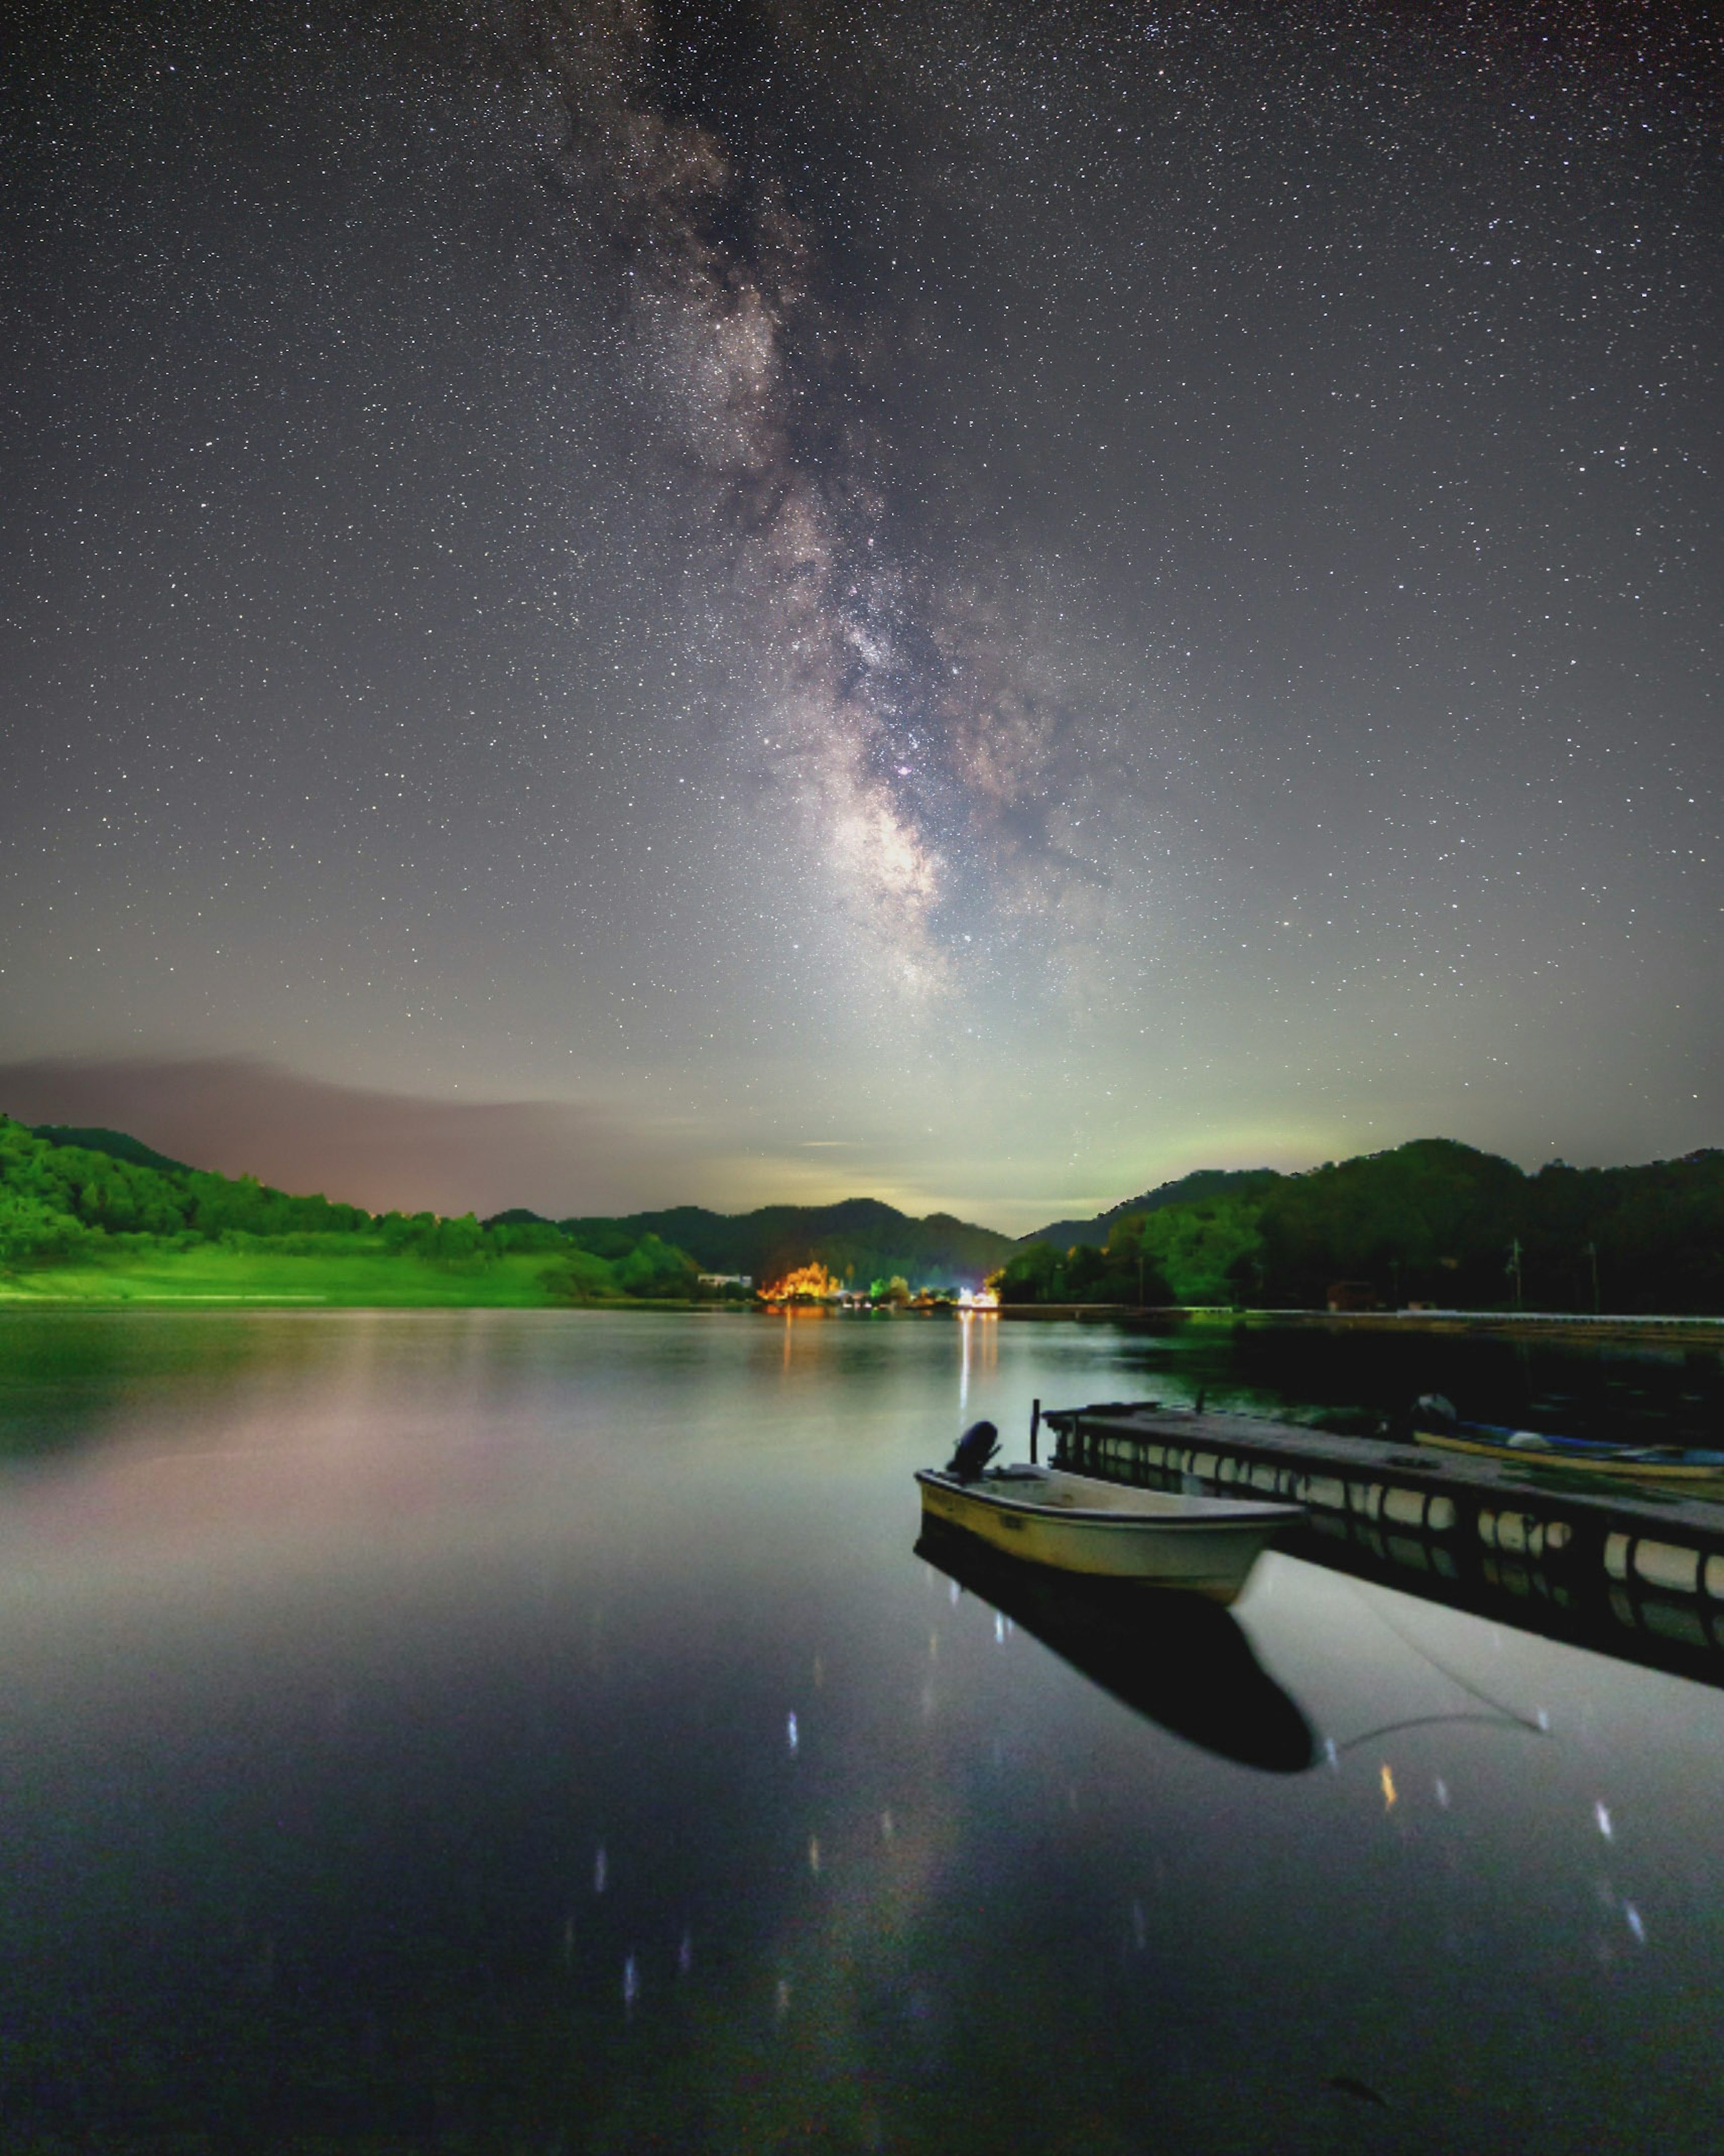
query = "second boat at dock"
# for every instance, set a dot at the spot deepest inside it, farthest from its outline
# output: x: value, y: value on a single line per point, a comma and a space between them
x: 1695, y: 1470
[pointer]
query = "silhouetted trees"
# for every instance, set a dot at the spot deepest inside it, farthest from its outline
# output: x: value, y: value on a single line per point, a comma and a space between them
x: 1432, y: 1222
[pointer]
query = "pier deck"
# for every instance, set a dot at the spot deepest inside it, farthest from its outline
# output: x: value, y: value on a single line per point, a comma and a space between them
x: 1638, y: 1571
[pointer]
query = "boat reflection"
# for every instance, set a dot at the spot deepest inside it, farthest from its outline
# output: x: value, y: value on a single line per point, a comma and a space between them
x: 1180, y: 1660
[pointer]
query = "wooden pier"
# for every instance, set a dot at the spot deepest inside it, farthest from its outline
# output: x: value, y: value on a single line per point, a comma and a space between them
x: 1598, y: 1561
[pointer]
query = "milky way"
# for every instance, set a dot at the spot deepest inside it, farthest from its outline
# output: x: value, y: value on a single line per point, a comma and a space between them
x: 908, y: 737
x: 981, y: 604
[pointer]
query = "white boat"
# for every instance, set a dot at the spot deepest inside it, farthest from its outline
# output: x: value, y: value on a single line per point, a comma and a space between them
x: 1075, y: 1523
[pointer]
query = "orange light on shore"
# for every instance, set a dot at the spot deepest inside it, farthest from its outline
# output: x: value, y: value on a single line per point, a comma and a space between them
x: 978, y: 1298
x: 810, y: 1283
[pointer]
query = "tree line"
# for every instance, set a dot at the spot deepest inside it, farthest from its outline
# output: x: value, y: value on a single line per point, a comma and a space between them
x: 1433, y: 1222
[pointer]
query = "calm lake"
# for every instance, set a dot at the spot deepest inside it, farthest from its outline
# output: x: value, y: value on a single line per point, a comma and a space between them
x: 537, y: 1732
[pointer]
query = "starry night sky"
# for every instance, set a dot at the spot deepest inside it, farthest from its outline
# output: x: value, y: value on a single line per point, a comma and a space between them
x: 980, y: 604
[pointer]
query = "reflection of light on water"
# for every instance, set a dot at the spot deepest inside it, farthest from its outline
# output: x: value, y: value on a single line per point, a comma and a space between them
x: 978, y: 1346
x: 868, y: 1917
x: 1389, y: 1798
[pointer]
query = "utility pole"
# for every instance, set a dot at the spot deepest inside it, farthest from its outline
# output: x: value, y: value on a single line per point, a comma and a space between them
x: 1590, y: 1250
x: 1514, y: 1267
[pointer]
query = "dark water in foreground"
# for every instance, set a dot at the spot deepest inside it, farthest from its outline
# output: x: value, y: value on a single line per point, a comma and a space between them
x: 510, y: 1732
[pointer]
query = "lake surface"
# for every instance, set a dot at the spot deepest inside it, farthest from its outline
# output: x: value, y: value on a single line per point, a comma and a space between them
x: 536, y: 1731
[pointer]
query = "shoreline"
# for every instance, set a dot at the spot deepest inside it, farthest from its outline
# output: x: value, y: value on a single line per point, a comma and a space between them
x: 1502, y: 1324
x: 446, y: 1293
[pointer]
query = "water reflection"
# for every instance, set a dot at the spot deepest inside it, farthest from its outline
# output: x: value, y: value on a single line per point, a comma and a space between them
x: 1500, y: 1564
x: 1580, y: 1603
x: 398, y: 1756
x: 1183, y: 1661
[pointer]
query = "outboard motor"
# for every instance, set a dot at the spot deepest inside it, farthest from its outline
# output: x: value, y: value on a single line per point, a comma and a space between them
x: 975, y: 1448
x: 1431, y: 1411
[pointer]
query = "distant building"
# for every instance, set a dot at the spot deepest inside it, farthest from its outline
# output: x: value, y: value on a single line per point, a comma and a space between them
x: 1353, y: 1294
x: 725, y: 1280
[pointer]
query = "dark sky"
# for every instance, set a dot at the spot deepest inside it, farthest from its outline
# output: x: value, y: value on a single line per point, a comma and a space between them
x: 983, y: 604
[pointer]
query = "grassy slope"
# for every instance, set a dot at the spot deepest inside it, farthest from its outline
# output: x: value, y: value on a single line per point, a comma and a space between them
x: 365, y: 1277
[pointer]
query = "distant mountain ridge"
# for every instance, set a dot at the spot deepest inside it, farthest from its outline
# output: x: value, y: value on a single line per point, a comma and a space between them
x: 1201, y: 1184
x: 860, y: 1238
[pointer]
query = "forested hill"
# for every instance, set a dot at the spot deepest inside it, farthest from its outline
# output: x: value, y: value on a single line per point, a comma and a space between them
x: 61, y: 1187
x: 116, y: 1144
x: 1431, y: 1221
x: 860, y: 1240
x: 1200, y: 1187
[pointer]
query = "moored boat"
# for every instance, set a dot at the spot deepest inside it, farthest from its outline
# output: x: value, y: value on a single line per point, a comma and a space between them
x: 1698, y: 1470
x: 1076, y: 1523
x: 1704, y: 1470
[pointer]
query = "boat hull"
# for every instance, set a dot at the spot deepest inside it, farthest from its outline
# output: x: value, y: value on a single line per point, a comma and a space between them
x: 1698, y: 1478
x: 1210, y: 1553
